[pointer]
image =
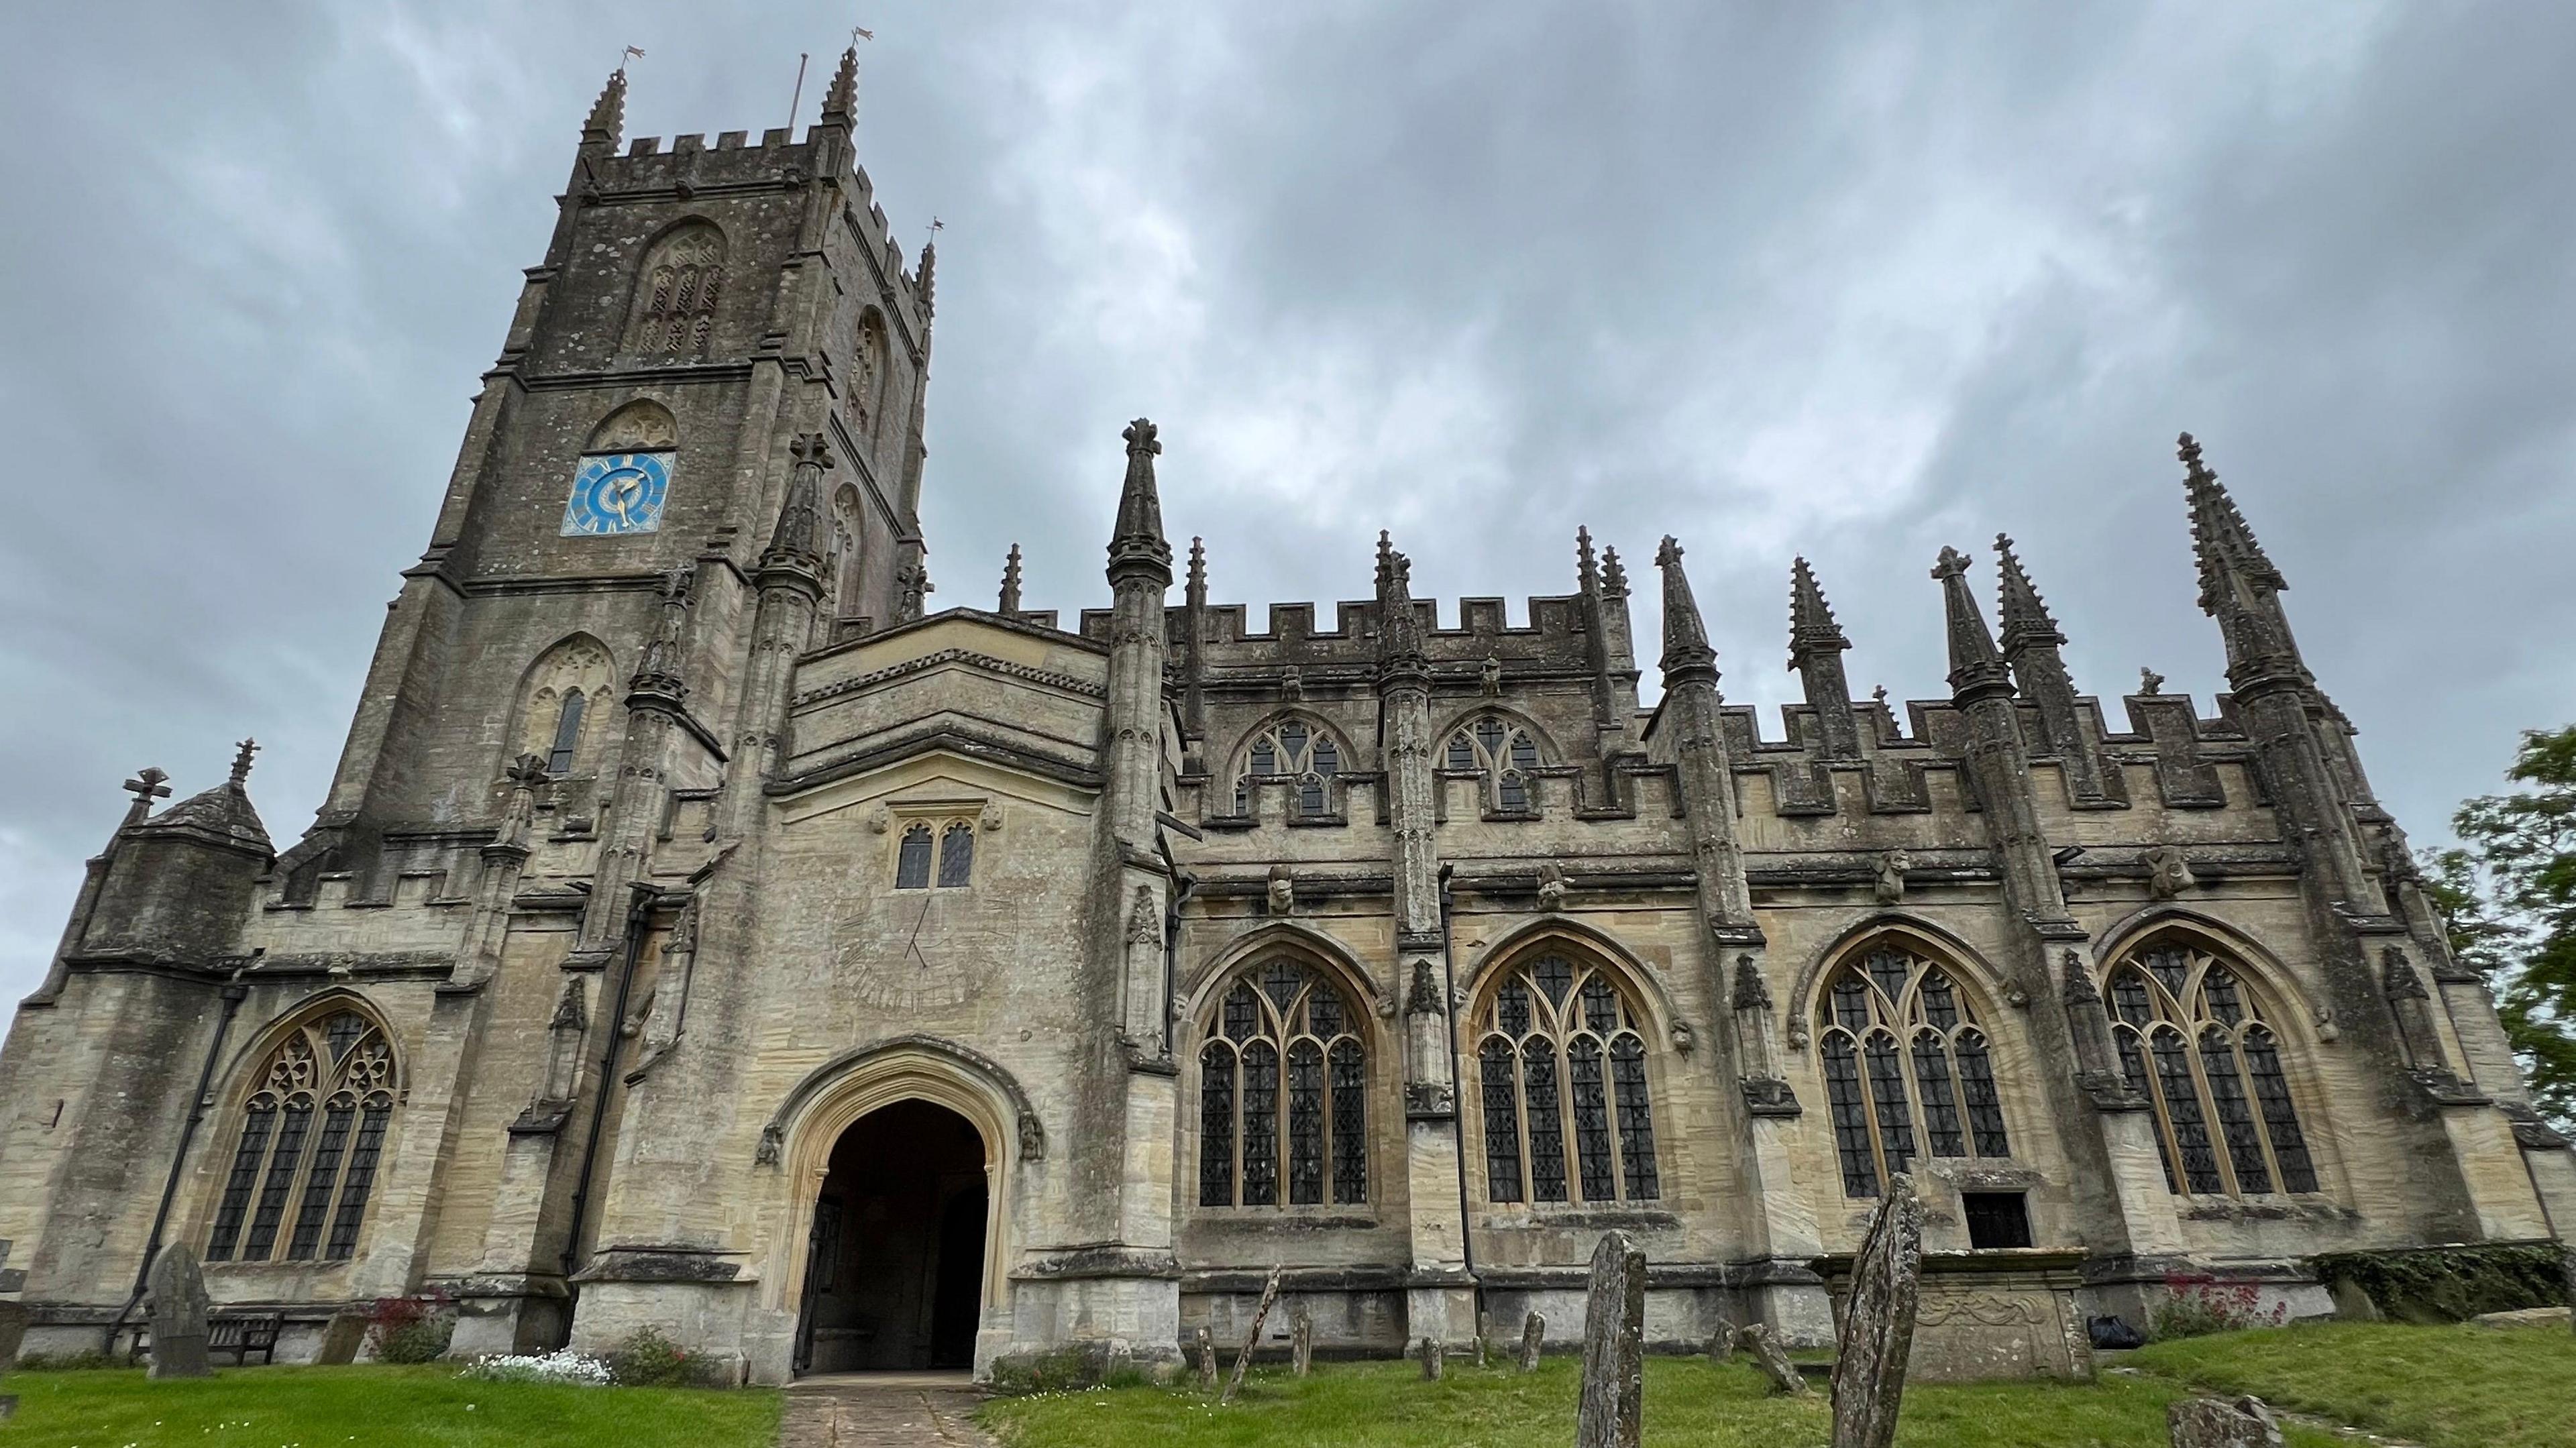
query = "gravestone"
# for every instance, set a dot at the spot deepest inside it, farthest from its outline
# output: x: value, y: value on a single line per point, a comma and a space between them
x: 1878, y: 1321
x: 1533, y: 1332
x: 13, y: 1330
x: 1756, y: 1339
x: 8, y: 1406
x: 1721, y: 1343
x: 178, y: 1315
x: 1431, y: 1363
x: 1207, y: 1359
x: 1480, y: 1347
x: 1252, y: 1339
x: 341, y: 1339
x: 2209, y: 1423
x: 1614, y: 1347
x: 1301, y: 1343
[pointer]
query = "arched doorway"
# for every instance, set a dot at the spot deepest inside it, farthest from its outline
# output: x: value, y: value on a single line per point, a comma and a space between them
x: 895, y: 1261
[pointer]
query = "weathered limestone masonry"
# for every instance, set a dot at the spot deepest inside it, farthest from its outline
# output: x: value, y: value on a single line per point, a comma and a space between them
x: 700, y: 933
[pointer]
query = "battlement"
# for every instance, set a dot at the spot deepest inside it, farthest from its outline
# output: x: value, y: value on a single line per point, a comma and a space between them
x: 1556, y: 634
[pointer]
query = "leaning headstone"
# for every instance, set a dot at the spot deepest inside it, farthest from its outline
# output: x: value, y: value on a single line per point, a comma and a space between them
x: 1431, y: 1363
x: 1252, y: 1339
x: 1301, y: 1343
x: 1878, y: 1321
x: 178, y: 1315
x: 1207, y: 1359
x: 2209, y: 1423
x: 1533, y: 1332
x: 1757, y: 1340
x: 341, y: 1339
x: 1614, y: 1347
x: 1721, y: 1343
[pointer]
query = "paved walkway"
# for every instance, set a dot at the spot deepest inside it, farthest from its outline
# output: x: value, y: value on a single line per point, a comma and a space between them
x: 881, y: 1410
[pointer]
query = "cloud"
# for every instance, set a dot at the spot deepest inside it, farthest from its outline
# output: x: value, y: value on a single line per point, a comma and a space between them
x: 1852, y: 282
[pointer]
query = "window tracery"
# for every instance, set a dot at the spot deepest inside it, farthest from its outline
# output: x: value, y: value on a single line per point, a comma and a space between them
x: 2193, y: 1041
x: 1506, y: 753
x: 949, y: 842
x: 865, y: 403
x: 560, y: 705
x: 1908, y: 1069
x: 1300, y: 751
x: 1283, y: 1063
x: 677, y: 290
x: 312, y: 1132
x: 1561, y: 1086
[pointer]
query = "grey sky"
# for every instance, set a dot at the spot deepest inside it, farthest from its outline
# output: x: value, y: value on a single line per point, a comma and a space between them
x: 1848, y: 281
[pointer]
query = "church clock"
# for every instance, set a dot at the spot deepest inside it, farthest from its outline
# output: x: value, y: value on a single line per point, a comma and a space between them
x: 617, y: 493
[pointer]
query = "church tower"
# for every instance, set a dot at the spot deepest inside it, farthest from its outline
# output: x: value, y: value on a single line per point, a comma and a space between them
x: 698, y: 308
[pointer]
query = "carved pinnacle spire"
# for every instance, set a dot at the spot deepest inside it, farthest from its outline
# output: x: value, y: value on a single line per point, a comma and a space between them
x: 1812, y: 628
x: 2023, y: 612
x: 1976, y: 665
x: 658, y: 671
x: 2220, y: 539
x: 797, y: 536
x: 1614, y: 575
x: 241, y: 762
x: 1587, y: 574
x: 1399, y: 632
x: 1198, y: 572
x: 841, y: 99
x: 608, y: 113
x: 1137, y: 546
x: 1011, y: 581
x: 925, y: 274
x: 1686, y: 650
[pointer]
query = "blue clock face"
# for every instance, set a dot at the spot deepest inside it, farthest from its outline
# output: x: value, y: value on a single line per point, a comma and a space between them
x: 617, y: 493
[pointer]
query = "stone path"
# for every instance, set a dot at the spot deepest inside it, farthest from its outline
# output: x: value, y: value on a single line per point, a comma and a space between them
x: 881, y: 1410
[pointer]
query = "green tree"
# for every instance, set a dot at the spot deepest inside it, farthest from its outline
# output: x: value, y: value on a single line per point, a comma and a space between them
x: 2508, y: 894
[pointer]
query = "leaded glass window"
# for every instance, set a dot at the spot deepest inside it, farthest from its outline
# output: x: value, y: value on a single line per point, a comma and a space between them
x: 1561, y: 1086
x: 1300, y: 751
x: 2193, y: 1040
x: 935, y: 852
x: 1506, y: 753
x: 1283, y: 1067
x: 304, y: 1163
x: 1908, y: 1072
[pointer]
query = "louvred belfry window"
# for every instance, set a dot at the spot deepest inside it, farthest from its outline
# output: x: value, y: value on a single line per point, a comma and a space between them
x: 313, y: 1130
x: 1506, y: 753
x: 2193, y: 1041
x: 1908, y: 1072
x: 1561, y: 1085
x: 677, y: 291
x: 1297, y: 750
x: 1283, y: 1094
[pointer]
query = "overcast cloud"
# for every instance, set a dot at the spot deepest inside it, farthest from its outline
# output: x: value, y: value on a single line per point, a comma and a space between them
x: 1849, y: 281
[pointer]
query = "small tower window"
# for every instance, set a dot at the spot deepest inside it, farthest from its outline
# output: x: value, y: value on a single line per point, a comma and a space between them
x: 677, y: 291
x: 1506, y: 753
x: 912, y: 859
x: 567, y: 735
x: 1299, y: 750
x: 956, y: 855
x: 936, y: 852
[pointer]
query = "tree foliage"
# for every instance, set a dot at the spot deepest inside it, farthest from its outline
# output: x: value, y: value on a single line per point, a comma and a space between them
x: 2508, y: 893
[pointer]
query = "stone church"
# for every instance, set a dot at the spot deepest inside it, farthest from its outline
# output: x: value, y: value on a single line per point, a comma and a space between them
x: 702, y: 933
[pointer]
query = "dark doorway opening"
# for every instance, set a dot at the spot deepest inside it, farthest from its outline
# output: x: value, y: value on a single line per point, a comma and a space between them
x: 894, y: 1273
x: 1996, y: 1220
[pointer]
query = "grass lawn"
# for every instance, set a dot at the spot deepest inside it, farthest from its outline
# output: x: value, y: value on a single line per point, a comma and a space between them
x: 1689, y: 1404
x: 318, y: 1407
x: 2450, y: 1387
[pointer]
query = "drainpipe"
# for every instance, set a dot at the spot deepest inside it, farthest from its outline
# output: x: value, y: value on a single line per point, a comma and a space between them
x: 1457, y: 1090
x: 1181, y: 887
x: 639, y: 910
x: 232, y: 995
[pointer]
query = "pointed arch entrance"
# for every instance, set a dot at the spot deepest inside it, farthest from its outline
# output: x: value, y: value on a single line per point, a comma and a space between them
x: 894, y: 1261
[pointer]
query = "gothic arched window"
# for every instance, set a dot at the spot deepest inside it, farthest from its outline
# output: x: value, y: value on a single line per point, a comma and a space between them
x: 313, y: 1127
x: 677, y: 290
x: 1300, y: 751
x: 2193, y: 1041
x: 1282, y: 1064
x: 1561, y: 1081
x: 558, y: 708
x: 1506, y: 753
x: 865, y: 403
x: 1908, y: 1072
x: 950, y: 842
